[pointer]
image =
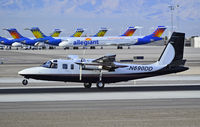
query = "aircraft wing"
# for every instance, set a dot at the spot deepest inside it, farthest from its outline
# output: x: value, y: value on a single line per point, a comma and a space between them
x: 105, y: 59
x: 104, y: 63
x: 73, y: 57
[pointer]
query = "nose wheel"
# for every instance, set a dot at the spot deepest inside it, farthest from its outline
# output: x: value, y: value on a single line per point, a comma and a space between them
x: 25, y: 82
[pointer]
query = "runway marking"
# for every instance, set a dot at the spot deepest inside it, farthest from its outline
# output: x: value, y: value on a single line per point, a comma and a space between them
x: 97, y: 96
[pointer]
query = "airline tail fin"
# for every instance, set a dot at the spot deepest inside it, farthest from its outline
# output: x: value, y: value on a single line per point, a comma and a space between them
x: 101, y: 32
x: 172, y: 55
x: 56, y: 33
x: 14, y: 33
x: 159, y: 31
x: 129, y: 32
x: 37, y: 32
x: 78, y: 32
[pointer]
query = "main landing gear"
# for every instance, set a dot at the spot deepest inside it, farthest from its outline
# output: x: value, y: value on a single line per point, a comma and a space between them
x: 24, y: 82
x: 87, y: 85
x: 99, y: 85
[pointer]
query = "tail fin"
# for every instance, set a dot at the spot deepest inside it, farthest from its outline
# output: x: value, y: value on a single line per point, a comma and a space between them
x: 14, y: 33
x: 37, y: 32
x: 56, y: 33
x: 129, y: 32
x: 173, y: 52
x: 159, y: 31
x: 78, y: 32
x: 101, y: 32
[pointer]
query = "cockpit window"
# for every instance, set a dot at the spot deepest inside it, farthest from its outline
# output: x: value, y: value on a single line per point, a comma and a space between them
x: 54, y: 65
x: 47, y: 64
x: 50, y: 64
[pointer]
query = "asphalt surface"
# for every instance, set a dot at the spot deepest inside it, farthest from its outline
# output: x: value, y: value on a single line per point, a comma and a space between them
x: 112, y: 113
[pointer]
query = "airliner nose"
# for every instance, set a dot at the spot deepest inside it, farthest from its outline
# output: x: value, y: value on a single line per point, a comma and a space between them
x: 63, y: 44
x: 16, y: 44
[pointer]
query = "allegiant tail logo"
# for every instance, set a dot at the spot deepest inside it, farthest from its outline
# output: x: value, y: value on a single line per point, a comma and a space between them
x: 88, y: 41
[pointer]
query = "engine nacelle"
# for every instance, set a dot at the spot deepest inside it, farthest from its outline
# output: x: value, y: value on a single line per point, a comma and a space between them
x: 91, y: 67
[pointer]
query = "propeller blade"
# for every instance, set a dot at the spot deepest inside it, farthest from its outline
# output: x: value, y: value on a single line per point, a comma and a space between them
x: 80, y: 73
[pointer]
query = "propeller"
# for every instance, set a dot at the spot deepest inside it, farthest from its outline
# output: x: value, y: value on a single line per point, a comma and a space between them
x: 81, y: 65
x: 101, y: 73
x: 81, y: 68
x: 80, y: 76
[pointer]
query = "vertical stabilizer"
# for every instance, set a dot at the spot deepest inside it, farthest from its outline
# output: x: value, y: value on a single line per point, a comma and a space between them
x: 129, y: 32
x: 173, y: 52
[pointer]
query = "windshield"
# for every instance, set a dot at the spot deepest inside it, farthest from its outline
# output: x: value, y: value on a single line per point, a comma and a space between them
x: 47, y: 64
x: 50, y: 64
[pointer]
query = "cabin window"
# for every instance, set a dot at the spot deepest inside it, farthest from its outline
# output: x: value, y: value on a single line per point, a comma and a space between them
x: 72, y: 66
x: 65, y: 66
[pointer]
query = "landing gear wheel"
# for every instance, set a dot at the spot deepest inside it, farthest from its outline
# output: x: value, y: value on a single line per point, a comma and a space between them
x: 92, y: 47
x: 100, y: 84
x: 25, y: 82
x: 119, y: 47
x: 87, y: 85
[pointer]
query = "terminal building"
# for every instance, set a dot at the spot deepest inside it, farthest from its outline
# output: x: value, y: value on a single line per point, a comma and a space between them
x: 195, y: 42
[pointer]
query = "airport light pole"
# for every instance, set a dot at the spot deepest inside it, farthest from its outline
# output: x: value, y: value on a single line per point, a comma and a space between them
x: 172, y: 9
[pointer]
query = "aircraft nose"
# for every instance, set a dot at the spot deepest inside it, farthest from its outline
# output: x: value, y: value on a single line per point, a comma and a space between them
x: 63, y: 43
x: 30, y: 71
x: 16, y: 44
x: 23, y: 72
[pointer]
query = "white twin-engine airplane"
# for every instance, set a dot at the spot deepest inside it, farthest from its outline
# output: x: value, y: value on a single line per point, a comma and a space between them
x: 107, y: 70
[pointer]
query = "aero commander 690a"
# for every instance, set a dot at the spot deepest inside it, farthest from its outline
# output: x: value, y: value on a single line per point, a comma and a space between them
x: 106, y: 69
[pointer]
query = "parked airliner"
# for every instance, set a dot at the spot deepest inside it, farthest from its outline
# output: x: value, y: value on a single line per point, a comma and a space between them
x: 51, y: 40
x: 10, y: 43
x: 113, y: 40
x: 106, y: 69
x: 20, y: 40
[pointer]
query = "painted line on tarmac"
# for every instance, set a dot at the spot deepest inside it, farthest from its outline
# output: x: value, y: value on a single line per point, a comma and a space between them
x: 98, y: 96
